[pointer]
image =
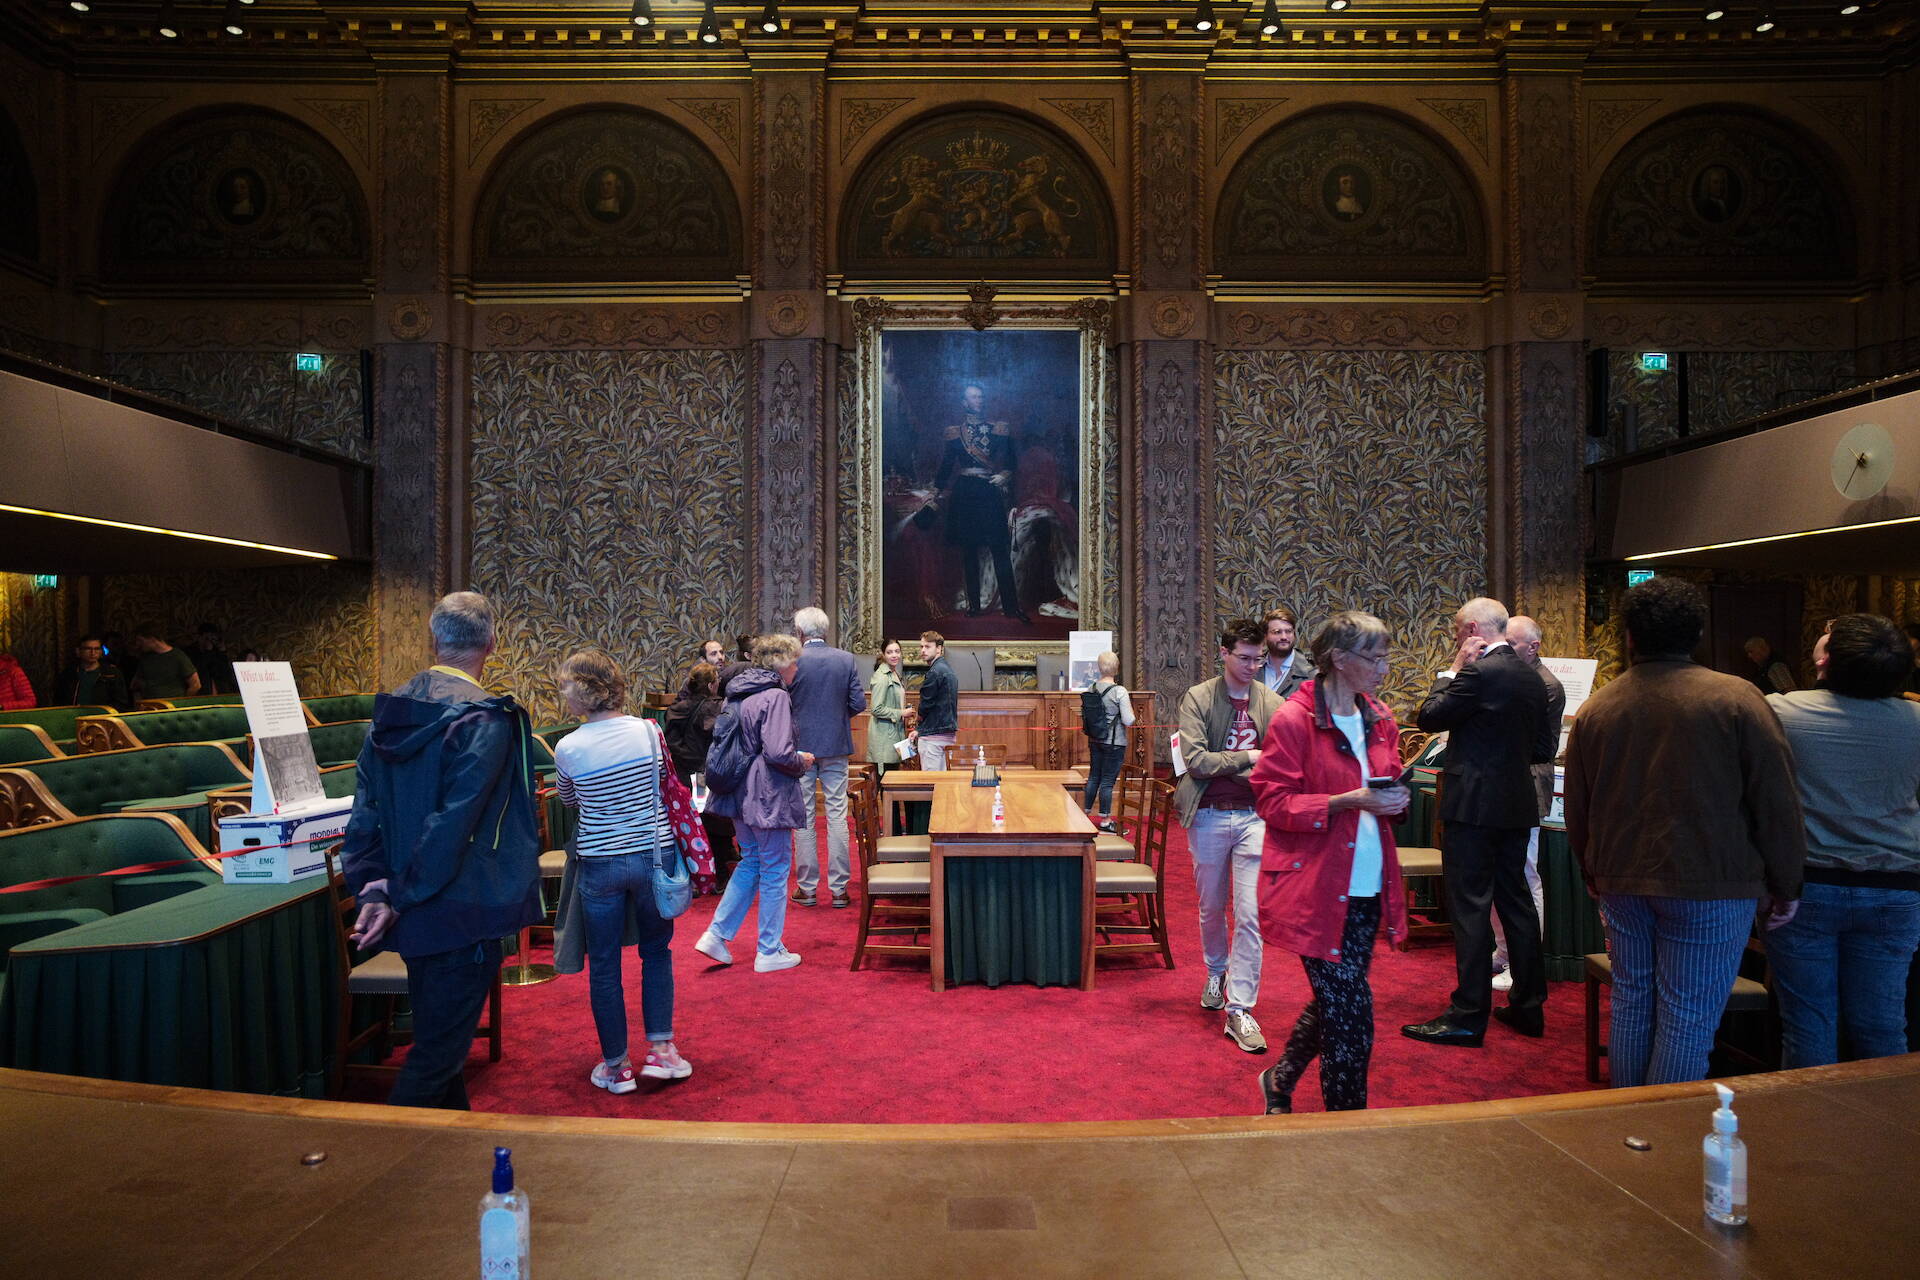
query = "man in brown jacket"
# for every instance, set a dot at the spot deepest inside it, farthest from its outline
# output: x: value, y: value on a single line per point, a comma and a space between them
x: 1682, y: 809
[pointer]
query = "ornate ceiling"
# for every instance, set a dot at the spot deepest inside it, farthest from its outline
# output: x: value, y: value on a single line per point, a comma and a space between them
x: 907, y: 39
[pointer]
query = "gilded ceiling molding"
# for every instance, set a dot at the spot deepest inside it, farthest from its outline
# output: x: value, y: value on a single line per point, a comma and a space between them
x: 858, y: 115
x: 1607, y: 116
x: 1094, y: 115
x: 1467, y: 115
x: 113, y: 117
x: 720, y: 115
x: 1231, y: 116
x: 349, y: 118
x: 486, y: 117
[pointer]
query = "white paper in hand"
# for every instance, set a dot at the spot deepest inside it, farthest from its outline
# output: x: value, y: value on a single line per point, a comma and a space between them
x: 1179, y: 760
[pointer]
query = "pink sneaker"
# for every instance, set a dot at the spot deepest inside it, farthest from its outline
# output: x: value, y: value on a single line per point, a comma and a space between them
x: 614, y: 1079
x: 659, y: 1068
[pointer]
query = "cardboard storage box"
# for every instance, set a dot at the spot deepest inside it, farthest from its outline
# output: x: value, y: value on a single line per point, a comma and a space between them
x: 302, y: 836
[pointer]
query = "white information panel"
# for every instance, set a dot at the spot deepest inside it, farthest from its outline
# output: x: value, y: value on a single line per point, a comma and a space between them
x: 285, y: 774
x: 1083, y: 657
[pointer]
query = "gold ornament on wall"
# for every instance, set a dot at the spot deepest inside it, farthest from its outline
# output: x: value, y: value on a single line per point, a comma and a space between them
x: 1550, y: 319
x: 787, y: 315
x: 1172, y: 316
x: 410, y: 319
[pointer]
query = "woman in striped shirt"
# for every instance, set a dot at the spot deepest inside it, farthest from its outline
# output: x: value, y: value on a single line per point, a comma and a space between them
x: 610, y: 769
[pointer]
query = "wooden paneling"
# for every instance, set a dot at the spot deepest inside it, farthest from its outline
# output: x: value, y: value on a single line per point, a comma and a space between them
x: 1040, y: 728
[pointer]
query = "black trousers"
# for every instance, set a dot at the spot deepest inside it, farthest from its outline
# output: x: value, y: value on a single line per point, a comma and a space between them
x: 1001, y: 550
x: 1337, y: 1024
x: 447, y: 991
x: 1486, y: 870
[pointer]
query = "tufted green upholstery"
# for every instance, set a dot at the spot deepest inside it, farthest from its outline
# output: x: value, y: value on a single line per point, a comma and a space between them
x: 57, y: 721
x: 338, y: 707
x: 25, y: 742
x: 332, y: 743
x: 190, y: 724
x: 88, y: 846
x: 89, y: 784
x: 200, y: 700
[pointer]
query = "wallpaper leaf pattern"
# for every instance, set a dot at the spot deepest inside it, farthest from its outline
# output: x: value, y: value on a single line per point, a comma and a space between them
x: 257, y: 389
x: 317, y: 617
x: 1724, y: 387
x: 609, y: 509
x: 1352, y: 479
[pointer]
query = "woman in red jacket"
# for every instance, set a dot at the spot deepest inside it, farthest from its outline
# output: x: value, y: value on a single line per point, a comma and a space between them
x: 1328, y: 873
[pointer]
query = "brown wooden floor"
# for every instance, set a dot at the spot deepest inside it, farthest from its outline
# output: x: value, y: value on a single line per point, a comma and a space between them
x: 101, y: 1180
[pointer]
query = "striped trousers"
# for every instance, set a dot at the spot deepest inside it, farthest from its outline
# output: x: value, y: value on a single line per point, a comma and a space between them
x: 1674, y: 962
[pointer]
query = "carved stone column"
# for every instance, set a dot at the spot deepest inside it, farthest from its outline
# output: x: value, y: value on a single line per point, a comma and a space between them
x: 1537, y: 441
x: 1168, y: 542
x: 415, y: 440
x: 791, y: 501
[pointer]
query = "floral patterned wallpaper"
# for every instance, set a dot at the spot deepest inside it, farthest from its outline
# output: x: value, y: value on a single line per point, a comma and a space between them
x: 317, y: 617
x: 609, y: 509
x: 1352, y: 479
x: 32, y: 629
x: 1723, y: 388
x: 257, y: 389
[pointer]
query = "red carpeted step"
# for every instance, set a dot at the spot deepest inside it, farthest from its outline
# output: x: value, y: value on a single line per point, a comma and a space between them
x: 823, y: 1044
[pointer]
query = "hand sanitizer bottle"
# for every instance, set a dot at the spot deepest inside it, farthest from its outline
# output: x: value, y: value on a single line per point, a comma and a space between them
x: 1726, y: 1165
x: 506, y: 1225
x: 999, y: 806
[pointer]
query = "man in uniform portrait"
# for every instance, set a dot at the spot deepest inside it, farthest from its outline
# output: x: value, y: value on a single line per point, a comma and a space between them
x: 976, y: 475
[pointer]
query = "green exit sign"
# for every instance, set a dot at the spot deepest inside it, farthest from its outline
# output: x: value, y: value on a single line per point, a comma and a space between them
x: 45, y: 581
x: 1637, y: 576
x: 314, y: 362
x: 1653, y: 361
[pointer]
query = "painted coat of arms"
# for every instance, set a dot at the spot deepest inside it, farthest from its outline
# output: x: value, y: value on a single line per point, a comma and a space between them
x: 981, y: 203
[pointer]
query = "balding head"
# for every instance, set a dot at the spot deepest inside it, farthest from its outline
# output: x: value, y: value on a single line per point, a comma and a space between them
x: 1483, y: 617
x: 1523, y: 633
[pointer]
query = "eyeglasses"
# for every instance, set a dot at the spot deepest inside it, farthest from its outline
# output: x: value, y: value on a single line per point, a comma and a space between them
x: 1377, y: 659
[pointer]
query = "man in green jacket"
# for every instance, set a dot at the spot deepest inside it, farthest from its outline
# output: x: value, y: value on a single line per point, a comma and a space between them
x: 1222, y: 723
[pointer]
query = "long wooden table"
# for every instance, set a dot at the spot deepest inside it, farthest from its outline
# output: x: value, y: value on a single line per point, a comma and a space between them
x: 1041, y: 822
x: 919, y: 784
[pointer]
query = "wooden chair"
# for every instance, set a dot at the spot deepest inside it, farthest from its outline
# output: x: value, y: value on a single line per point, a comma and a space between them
x: 1140, y: 885
x: 1421, y: 862
x: 896, y: 897
x: 1131, y: 800
x: 1412, y: 743
x: 383, y: 975
x: 965, y: 755
x: 1749, y: 995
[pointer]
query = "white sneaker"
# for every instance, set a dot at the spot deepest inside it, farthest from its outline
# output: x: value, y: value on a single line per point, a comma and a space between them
x: 1503, y: 980
x: 1214, y: 994
x: 1245, y: 1032
x: 713, y: 948
x: 781, y: 959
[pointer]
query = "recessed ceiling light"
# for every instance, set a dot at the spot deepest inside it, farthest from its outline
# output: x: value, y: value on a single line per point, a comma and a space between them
x: 642, y: 14
x: 1270, y: 24
x: 709, y: 26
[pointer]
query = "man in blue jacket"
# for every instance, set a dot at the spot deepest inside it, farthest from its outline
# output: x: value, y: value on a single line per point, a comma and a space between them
x: 442, y: 851
x: 827, y: 693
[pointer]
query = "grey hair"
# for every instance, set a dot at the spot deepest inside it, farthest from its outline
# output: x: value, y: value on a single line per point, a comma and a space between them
x: 462, y: 625
x: 774, y: 651
x: 1482, y: 611
x: 1347, y: 629
x: 1524, y: 629
x: 811, y: 623
x: 1109, y: 663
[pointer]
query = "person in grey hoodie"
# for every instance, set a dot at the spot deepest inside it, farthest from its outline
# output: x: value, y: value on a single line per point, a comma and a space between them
x: 766, y: 807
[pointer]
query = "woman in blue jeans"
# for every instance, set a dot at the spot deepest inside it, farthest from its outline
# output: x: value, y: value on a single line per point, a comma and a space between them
x: 611, y: 769
x: 766, y: 807
x: 1842, y: 957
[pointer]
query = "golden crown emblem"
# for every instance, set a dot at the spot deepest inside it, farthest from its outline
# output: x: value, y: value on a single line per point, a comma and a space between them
x: 978, y: 152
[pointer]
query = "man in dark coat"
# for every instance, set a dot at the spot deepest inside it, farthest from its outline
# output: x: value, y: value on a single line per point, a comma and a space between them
x: 442, y: 852
x: 978, y: 464
x: 1493, y: 707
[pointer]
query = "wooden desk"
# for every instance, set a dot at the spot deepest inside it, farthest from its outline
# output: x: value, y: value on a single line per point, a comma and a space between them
x: 919, y: 784
x: 1040, y: 728
x: 1042, y: 822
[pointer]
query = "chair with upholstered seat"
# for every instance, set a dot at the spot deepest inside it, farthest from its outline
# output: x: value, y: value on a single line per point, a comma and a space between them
x: 382, y: 975
x: 895, y: 897
x: 1140, y: 885
x: 1749, y: 995
x: 1130, y: 801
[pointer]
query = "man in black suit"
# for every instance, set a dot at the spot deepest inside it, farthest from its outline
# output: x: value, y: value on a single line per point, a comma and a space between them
x: 1493, y: 707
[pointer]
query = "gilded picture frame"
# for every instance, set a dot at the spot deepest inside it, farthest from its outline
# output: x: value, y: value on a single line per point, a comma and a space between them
x: 1094, y: 468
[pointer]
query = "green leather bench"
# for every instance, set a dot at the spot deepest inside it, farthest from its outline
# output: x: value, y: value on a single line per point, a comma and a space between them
x: 26, y: 742
x: 336, y: 782
x: 168, y: 779
x: 332, y: 743
x: 334, y: 708
x: 59, y: 722
x: 87, y: 847
x: 194, y: 700
x: 157, y: 728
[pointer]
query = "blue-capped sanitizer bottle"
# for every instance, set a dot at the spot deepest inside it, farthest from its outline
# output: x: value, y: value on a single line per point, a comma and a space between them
x: 506, y: 1225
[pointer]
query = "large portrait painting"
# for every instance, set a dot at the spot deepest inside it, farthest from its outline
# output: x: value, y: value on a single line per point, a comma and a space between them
x: 980, y: 461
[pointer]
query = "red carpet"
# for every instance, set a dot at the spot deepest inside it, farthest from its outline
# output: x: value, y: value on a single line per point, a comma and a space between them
x: 823, y: 1044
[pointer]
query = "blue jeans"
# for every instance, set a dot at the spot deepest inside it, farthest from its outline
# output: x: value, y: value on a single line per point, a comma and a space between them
x: 1674, y: 962
x: 607, y: 886
x: 765, y: 855
x: 446, y: 991
x: 1103, y: 767
x: 1844, y: 957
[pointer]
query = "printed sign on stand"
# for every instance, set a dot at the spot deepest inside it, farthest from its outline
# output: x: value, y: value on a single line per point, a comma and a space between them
x: 285, y: 774
x: 1083, y: 657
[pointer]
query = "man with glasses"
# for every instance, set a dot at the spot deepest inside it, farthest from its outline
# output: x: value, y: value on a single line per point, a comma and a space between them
x: 1493, y: 707
x: 1222, y: 723
x: 92, y: 682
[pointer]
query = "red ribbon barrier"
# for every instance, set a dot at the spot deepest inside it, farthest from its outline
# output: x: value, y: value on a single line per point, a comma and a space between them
x: 145, y: 867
